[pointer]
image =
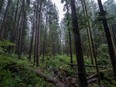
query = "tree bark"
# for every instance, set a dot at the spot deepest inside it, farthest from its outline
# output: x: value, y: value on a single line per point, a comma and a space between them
x: 37, y: 36
x: 31, y: 43
x: 4, y: 18
x: 113, y: 34
x: 88, y: 30
x: 91, y: 41
x: 108, y: 36
x: 14, y: 23
x: 1, y: 5
x: 78, y: 48
x: 69, y: 32
x: 22, y: 28
x: 44, y: 43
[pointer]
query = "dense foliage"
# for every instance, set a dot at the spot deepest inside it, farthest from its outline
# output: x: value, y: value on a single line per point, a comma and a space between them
x: 79, y: 50
x: 17, y: 73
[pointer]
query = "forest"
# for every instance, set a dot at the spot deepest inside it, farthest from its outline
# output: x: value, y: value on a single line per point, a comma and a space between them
x: 39, y: 50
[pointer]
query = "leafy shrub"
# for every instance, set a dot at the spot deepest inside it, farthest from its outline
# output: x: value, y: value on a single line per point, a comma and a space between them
x: 4, y: 45
x: 103, y: 54
x: 103, y: 51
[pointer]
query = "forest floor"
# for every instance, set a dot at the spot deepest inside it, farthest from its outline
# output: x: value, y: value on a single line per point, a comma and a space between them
x: 55, y: 71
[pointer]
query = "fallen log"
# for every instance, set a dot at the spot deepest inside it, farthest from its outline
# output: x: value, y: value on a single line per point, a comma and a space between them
x: 87, y: 65
x: 95, y: 76
x: 50, y: 79
x: 92, y: 76
x: 92, y: 80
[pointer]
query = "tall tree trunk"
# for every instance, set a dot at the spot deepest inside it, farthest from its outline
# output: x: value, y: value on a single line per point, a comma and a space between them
x: 108, y: 36
x: 18, y: 29
x: 13, y: 33
x: 91, y: 42
x: 78, y: 48
x: 32, y: 37
x: 19, y: 40
x: 4, y: 18
x: 53, y: 44
x: 38, y: 23
x: 22, y: 28
x: 14, y: 23
x: 88, y: 30
x: 58, y: 46
x: 69, y: 32
x: 35, y: 44
x: 114, y: 36
x: 31, y: 43
x: 70, y: 44
x: 44, y: 43
x: 1, y: 4
x: 35, y: 33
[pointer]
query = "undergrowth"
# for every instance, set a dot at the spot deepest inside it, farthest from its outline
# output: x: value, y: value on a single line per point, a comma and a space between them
x: 16, y: 73
x: 62, y: 62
